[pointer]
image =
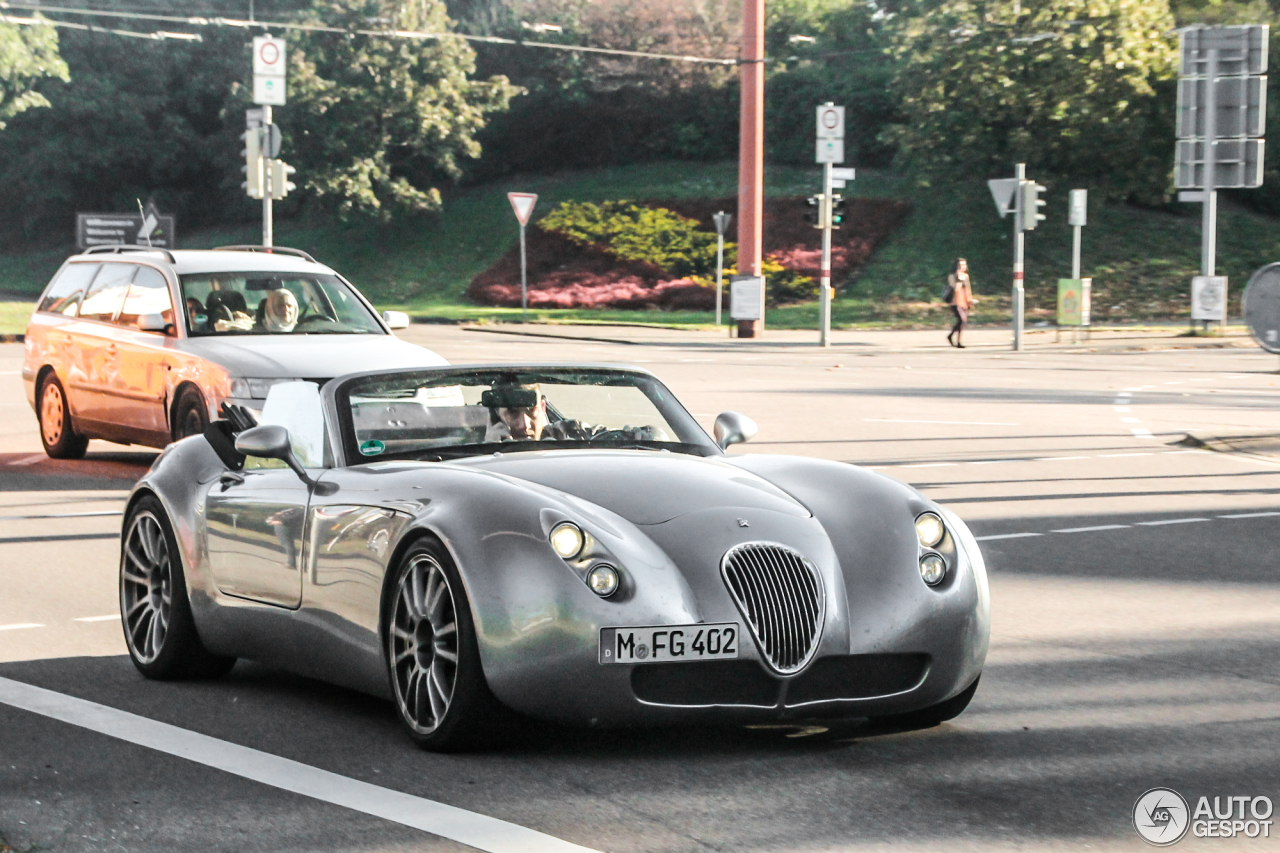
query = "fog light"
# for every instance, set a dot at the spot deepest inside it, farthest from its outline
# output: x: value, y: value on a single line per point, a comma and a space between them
x: 929, y: 529
x: 567, y: 540
x: 933, y: 569
x: 603, y: 581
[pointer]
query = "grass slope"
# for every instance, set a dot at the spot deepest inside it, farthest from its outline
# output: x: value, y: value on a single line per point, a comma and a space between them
x: 1141, y: 260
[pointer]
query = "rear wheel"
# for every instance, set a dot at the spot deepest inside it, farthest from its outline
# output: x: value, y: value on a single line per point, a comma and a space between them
x: 190, y: 414
x: 433, y: 656
x: 934, y: 715
x: 154, y: 608
x: 57, y: 432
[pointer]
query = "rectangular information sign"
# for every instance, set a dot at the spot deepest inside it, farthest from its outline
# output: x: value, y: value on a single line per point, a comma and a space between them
x: 746, y: 297
x: 1209, y: 298
x: 1073, y: 301
x: 111, y: 229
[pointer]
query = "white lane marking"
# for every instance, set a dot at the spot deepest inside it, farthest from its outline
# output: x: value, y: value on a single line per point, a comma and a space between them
x: 1090, y: 529
x: 1250, y: 515
x: 20, y: 625
x: 1057, y: 458
x: 62, y: 515
x: 932, y: 465
x: 465, y: 827
x: 10, y: 372
x: 993, y: 461
x: 1169, y: 521
x: 1139, y: 432
x: 949, y: 423
x: 1123, y: 455
x: 1188, y: 451
x: 29, y: 460
x: 1006, y: 536
x: 106, y: 618
x: 1130, y: 420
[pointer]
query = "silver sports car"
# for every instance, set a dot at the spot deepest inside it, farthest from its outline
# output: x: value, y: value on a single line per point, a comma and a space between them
x: 563, y: 542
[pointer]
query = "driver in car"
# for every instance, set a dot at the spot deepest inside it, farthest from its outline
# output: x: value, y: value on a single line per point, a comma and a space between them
x: 519, y: 413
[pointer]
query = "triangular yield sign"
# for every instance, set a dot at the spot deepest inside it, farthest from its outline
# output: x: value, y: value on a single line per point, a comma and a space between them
x: 1002, y: 190
x: 522, y: 204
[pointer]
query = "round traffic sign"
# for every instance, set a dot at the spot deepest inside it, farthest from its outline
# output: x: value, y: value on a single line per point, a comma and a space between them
x: 1262, y: 307
x: 269, y: 53
x: 830, y: 118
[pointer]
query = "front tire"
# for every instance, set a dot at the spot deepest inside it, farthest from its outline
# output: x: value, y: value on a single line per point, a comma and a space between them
x: 154, y: 609
x: 434, y: 660
x: 57, y: 431
x: 190, y: 414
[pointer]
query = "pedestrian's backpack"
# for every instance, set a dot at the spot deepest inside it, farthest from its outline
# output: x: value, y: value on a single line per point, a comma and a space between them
x: 948, y: 292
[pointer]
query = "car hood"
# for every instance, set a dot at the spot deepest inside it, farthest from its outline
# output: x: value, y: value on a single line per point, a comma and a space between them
x: 309, y: 356
x: 644, y: 487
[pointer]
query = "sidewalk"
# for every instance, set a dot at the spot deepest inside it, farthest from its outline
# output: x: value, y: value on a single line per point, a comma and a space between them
x: 1102, y: 339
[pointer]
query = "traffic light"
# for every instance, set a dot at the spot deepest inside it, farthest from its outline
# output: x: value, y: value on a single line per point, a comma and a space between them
x: 814, y: 214
x: 1031, y: 204
x: 838, y: 211
x: 252, y: 153
x: 280, y: 183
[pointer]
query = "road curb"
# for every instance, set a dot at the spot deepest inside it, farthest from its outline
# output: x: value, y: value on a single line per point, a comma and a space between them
x: 1260, y: 445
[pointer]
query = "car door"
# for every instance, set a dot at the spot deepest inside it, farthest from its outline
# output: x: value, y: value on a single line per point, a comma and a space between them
x: 256, y: 519
x: 144, y: 357
x: 93, y: 354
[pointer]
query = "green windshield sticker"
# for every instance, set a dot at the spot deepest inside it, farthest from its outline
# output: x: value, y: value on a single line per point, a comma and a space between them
x: 372, y: 447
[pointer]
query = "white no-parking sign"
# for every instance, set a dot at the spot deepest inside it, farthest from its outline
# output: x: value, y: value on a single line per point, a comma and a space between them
x: 268, y: 71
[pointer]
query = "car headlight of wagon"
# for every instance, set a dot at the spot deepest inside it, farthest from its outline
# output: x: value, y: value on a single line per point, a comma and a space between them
x: 567, y: 540
x: 248, y: 388
x: 930, y: 529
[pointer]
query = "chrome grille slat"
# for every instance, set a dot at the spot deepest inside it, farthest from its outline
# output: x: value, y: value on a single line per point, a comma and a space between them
x: 781, y: 596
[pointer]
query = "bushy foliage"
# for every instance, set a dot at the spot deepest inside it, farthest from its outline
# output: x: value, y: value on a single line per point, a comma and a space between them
x: 28, y: 54
x: 1067, y: 86
x: 631, y: 232
x: 782, y: 286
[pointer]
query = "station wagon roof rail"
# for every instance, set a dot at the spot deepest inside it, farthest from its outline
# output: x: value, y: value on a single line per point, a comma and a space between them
x: 122, y: 247
x: 282, y: 250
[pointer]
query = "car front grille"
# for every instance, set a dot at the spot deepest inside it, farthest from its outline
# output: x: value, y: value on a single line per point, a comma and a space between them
x: 781, y: 595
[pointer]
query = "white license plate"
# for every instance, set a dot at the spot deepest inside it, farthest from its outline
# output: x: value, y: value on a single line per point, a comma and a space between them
x: 665, y: 643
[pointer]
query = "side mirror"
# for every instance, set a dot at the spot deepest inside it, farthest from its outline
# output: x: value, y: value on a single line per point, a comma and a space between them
x: 270, y: 441
x: 395, y: 319
x: 154, y: 323
x: 733, y: 428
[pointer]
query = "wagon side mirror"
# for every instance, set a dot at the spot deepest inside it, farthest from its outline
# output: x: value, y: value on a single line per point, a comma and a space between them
x: 733, y: 428
x: 270, y: 441
x: 395, y: 319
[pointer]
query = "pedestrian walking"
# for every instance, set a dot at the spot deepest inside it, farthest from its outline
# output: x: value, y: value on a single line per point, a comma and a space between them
x: 959, y: 295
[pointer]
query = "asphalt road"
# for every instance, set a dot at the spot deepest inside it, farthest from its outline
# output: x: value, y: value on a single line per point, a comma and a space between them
x: 1136, y: 638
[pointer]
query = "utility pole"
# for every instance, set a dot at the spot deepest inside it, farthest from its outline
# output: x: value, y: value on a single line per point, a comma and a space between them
x: 721, y: 220
x: 1020, y: 174
x: 751, y: 156
x: 824, y: 290
x: 268, y: 223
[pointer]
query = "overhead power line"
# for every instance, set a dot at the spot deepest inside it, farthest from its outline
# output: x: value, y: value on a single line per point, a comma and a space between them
x: 195, y: 21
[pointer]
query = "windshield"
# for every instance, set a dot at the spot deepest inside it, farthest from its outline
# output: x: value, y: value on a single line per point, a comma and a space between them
x: 443, y: 414
x: 273, y: 303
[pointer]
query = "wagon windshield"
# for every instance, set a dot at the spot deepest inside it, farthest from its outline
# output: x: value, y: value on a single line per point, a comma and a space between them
x: 449, y: 414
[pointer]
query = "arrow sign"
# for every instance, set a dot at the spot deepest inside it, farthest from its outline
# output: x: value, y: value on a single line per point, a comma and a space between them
x: 1002, y: 190
x: 522, y: 204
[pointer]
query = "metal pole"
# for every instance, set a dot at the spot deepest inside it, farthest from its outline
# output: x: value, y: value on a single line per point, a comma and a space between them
x: 1209, y: 212
x: 719, y: 273
x: 1075, y: 254
x: 1018, y: 213
x: 268, y: 225
x: 824, y: 293
x: 524, y: 282
x: 751, y: 154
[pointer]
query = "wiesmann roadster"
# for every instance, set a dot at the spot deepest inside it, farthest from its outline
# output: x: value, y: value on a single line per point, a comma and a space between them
x: 563, y: 542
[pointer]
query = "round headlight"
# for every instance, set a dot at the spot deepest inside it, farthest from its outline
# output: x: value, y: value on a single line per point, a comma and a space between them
x: 567, y: 540
x: 929, y: 529
x: 933, y: 569
x: 603, y: 581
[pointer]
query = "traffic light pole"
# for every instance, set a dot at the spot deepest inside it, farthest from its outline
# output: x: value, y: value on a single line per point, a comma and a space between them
x: 827, y: 212
x: 1018, y: 293
x: 268, y: 224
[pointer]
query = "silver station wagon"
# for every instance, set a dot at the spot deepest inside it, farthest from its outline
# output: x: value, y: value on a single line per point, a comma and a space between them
x: 142, y: 346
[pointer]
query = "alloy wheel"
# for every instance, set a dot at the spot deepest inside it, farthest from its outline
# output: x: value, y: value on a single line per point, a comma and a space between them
x: 52, y: 414
x: 424, y: 644
x: 146, y: 587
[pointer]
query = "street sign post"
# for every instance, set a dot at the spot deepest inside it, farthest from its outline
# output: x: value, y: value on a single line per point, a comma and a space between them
x: 522, y: 204
x: 148, y: 227
x: 721, y: 221
x: 830, y: 142
x: 1077, y: 215
x: 269, y: 71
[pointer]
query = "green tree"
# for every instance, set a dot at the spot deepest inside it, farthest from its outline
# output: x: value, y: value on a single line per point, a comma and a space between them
x: 28, y: 54
x: 1076, y: 88
x: 374, y: 123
